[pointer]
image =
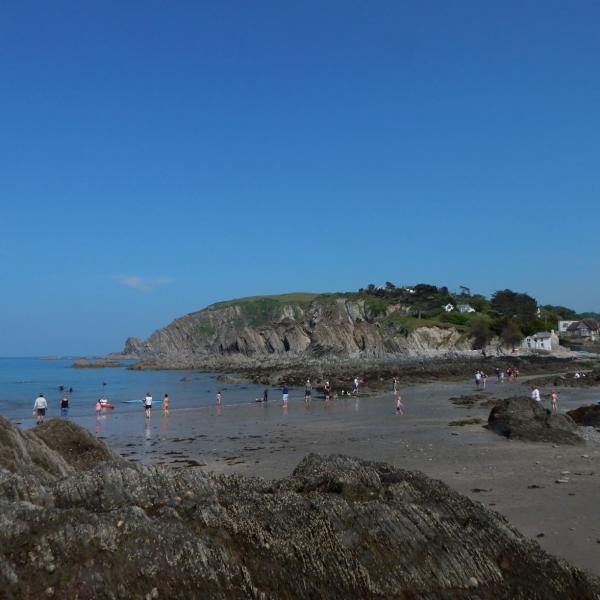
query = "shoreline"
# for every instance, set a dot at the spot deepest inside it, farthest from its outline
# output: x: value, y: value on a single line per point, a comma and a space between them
x: 515, y: 478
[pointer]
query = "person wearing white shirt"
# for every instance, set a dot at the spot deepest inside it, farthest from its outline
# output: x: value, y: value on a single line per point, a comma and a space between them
x: 39, y: 408
x: 148, y: 404
x: 535, y: 394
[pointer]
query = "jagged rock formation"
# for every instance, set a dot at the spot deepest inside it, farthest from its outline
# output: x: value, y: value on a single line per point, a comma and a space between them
x: 337, y: 527
x: 587, y: 416
x: 525, y: 419
x: 322, y: 327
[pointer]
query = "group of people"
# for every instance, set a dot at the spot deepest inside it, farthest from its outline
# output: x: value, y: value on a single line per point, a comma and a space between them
x: 148, y: 400
x: 501, y: 375
x: 537, y: 397
x: 40, y: 406
x: 327, y: 390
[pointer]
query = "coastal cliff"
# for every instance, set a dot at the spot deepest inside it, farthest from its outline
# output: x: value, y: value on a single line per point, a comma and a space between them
x: 290, y: 327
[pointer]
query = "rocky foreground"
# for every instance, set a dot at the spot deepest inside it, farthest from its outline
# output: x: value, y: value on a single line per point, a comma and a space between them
x: 79, y: 522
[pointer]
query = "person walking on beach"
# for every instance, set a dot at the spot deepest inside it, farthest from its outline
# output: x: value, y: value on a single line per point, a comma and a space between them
x: 219, y: 397
x: 483, y: 379
x: 166, y: 404
x: 39, y: 408
x: 285, y: 393
x: 399, y: 405
x: 535, y: 394
x: 355, y: 384
x: 395, y: 384
x: 477, y: 379
x: 307, y: 391
x: 148, y: 405
x: 327, y: 391
x: 554, y: 401
x: 64, y: 407
x: 266, y: 395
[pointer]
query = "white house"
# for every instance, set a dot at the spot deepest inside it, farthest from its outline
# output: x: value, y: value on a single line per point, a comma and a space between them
x: 564, y: 325
x: 465, y: 308
x: 543, y: 340
x: 448, y: 307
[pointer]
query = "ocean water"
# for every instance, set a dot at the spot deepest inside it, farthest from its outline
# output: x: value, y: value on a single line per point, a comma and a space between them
x: 22, y: 379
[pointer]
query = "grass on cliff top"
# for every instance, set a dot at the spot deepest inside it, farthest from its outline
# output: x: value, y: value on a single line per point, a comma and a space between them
x: 293, y: 297
x: 412, y: 323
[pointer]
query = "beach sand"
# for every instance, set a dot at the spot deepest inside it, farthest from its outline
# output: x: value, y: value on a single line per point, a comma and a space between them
x: 516, y: 479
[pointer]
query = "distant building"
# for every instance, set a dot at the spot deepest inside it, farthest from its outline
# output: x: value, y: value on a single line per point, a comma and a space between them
x: 448, y: 307
x: 564, y: 325
x: 586, y: 328
x: 465, y: 308
x: 546, y: 341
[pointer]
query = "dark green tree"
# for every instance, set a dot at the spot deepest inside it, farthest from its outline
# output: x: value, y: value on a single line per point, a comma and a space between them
x: 480, y: 332
x: 520, y: 307
x: 511, y: 334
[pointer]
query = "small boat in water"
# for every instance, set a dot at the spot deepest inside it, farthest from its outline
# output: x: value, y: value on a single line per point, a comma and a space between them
x: 104, y: 403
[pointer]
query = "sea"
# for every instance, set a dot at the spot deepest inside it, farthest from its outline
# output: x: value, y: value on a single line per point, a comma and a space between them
x: 22, y: 379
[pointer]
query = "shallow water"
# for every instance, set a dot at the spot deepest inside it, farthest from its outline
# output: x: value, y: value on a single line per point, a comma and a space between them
x: 22, y: 379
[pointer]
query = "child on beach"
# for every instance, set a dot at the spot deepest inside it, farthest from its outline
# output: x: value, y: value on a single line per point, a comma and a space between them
x: 399, y: 405
x: 285, y: 393
x: 554, y: 402
x: 166, y: 404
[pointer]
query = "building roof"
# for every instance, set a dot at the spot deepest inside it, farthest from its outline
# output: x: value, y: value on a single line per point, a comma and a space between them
x: 542, y: 334
x: 589, y: 323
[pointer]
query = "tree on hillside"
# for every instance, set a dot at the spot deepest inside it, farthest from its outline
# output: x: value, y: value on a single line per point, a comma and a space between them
x: 389, y: 286
x: 520, y: 307
x: 480, y: 332
x: 511, y: 334
x: 562, y: 312
x: 464, y: 290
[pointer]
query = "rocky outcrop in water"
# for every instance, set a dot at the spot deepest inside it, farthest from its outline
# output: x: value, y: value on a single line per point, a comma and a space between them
x: 338, y: 527
x: 525, y: 419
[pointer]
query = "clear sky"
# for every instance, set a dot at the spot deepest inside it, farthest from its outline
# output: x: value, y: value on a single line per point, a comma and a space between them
x: 156, y: 157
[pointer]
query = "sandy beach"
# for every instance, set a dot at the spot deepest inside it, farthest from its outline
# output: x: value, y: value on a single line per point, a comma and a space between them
x: 517, y: 479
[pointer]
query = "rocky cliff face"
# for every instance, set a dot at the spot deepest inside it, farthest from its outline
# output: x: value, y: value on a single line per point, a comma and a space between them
x: 89, y: 525
x: 336, y: 327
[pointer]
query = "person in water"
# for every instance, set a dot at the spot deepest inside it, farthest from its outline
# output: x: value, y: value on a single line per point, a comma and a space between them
x: 219, y: 397
x: 98, y: 408
x: 266, y: 395
x: 64, y: 406
x: 148, y: 405
x: 39, y: 408
x: 166, y: 404
x: 285, y: 392
x: 307, y: 391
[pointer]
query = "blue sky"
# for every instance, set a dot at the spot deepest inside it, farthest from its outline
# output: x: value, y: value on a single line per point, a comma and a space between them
x: 156, y: 157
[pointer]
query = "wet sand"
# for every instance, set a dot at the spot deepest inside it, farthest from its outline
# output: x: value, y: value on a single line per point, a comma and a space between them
x: 517, y: 479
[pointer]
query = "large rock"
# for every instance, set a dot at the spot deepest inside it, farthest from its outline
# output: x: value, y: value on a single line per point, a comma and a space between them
x: 337, y: 527
x: 588, y: 416
x: 525, y: 419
